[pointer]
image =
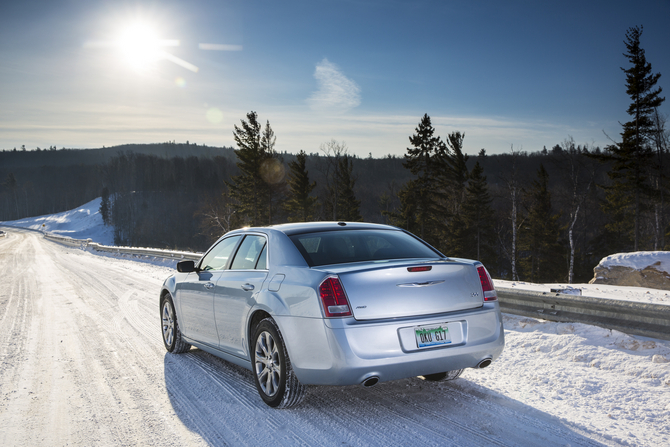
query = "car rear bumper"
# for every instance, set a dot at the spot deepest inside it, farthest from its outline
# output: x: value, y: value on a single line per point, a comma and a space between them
x: 346, y: 351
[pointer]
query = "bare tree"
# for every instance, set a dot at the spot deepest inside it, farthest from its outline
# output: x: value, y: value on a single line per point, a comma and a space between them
x: 216, y: 215
x: 514, y: 189
x: 661, y: 137
x: 580, y: 180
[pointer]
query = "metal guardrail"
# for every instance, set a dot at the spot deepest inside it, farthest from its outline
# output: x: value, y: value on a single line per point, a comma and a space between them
x: 145, y: 252
x: 136, y: 251
x: 646, y: 319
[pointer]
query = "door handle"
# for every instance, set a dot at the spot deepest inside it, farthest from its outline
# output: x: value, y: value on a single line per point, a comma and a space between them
x: 247, y: 287
x: 209, y: 285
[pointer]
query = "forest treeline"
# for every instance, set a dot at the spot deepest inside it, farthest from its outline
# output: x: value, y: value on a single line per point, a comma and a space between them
x: 544, y: 216
x: 184, y: 202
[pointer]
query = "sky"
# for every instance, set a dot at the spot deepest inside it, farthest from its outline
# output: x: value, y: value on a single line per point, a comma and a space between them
x: 508, y: 74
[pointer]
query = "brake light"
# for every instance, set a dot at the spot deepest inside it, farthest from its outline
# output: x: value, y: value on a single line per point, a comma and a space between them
x: 424, y: 268
x: 333, y: 298
x: 487, y: 284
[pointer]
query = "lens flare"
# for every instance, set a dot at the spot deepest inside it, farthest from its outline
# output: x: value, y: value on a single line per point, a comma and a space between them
x: 214, y: 115
x: 180, y: 82
x: 272, y: 171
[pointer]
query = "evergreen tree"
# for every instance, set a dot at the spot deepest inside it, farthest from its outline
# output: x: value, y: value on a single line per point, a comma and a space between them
x: 477, y: 237
x: 105, y: 207
x: 300, y: 205
x: 11, y: 184
x: 456, y: 173
x: 453, y: 178
x: 540, y: 239
x: 334, y: 151
x: 645, y: 99
x: 259, y: 170
x: 272, y: 171
x: 421, y: 209
x: 632, y: 157
x: 348, y: 207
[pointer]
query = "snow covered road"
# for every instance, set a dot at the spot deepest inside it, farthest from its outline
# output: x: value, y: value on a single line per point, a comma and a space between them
x: 82, y: 363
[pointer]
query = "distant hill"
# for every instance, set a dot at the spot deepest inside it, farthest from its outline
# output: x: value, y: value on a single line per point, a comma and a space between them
x: 12, y: 159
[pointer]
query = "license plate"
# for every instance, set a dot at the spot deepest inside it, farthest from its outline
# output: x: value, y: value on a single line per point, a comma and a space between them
x: 432, y: 335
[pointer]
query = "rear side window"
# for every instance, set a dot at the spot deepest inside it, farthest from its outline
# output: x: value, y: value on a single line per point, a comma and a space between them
x: 217, y: 258
x: 248, y: 254
x: 337, y: 247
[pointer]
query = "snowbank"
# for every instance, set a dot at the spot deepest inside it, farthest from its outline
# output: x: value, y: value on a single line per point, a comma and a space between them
x: 83, y: 222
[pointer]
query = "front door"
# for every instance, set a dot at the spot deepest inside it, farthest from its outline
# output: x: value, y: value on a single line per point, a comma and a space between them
x: 235, y: 293
x: 196, y: 295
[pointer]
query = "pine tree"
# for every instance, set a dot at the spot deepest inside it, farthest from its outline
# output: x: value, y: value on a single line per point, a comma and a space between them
x: 104, y: 206
x: 300, y: 205
x: 11, y: 184
x: 632, y: 157
x: 540, y: 239
x: 645, y: 99
x: 259, y: 170
x: 477, y: 239
x: 272, y: 171
x: 453, y: 178
x: 421, y: 199
x: 348, y: 207
x: 456, y: 173
x: 333, y: 151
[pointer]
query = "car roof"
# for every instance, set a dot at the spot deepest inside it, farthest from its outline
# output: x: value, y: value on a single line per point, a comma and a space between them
x: 310, y: 227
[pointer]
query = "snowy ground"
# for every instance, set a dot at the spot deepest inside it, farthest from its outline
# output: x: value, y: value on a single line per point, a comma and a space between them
x: 82, y: 363
x: 80, y: 223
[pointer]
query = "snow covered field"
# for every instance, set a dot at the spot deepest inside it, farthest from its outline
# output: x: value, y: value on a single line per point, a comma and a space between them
x: 82, y: 363
x: 80, y: 223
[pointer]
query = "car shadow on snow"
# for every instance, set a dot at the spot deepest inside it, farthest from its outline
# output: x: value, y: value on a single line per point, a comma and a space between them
x: 218, y: 401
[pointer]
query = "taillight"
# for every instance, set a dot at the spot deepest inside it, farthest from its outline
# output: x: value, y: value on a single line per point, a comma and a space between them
x: 333, y: 298
x: 487, y: 284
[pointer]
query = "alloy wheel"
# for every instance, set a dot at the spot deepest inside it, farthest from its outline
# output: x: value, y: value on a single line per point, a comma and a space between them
x: 268, y: 366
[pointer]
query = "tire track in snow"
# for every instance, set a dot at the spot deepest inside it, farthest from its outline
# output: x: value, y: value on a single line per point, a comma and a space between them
x: 238, y: 384
x: 393, y: 398
x: 541, y: 427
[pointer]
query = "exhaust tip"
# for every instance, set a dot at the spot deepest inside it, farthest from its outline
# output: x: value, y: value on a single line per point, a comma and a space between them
x: 484, y: 363
x: 370, y: 381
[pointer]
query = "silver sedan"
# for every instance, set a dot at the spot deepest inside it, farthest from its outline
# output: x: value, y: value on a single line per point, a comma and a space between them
x: 332, y: 303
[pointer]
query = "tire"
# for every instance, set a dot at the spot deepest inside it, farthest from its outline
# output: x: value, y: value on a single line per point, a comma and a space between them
x: 172, y: 338
x: 274, y: 377
x: 443, y: 376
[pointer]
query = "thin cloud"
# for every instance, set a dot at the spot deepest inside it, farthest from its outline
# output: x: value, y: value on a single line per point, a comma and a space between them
x: 336, y: 92
x: 219, y: 47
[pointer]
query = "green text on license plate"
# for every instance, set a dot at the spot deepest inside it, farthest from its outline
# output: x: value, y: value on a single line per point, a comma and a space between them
x: 432, y: 335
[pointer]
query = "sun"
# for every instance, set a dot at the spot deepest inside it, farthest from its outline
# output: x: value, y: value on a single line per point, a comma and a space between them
x: 139, y: 46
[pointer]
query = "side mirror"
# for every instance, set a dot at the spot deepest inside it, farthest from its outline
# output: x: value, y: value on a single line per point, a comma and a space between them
x: 186, y: 266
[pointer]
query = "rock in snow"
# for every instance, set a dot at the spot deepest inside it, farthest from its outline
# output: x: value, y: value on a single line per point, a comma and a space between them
x: 638, y: 269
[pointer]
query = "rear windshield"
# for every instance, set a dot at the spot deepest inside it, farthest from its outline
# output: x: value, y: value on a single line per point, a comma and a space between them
x: 337, y: 247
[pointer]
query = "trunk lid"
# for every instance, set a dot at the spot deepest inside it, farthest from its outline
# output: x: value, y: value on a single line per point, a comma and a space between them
x: 391, y: 290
